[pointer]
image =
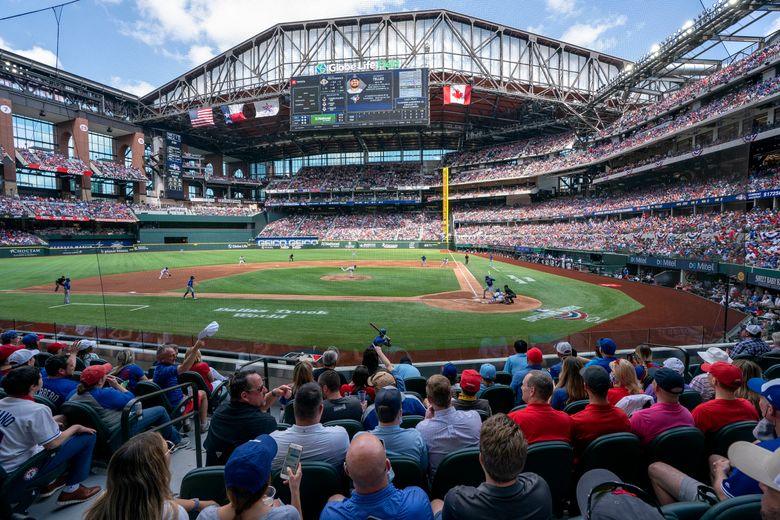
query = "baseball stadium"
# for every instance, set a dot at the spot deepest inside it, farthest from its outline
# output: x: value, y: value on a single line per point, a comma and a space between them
x: 407, y: 194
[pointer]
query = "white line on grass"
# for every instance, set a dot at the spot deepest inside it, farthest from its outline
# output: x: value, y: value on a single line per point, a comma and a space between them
x: 465, y: 276
x: 137, y: 307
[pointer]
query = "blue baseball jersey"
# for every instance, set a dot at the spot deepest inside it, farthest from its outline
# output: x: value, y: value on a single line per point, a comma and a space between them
x: 190, y: 282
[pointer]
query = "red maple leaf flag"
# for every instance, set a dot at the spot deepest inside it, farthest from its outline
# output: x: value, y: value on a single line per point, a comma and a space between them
x: 457, y: 94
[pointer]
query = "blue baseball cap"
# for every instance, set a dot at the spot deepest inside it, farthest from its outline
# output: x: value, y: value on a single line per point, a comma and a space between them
x: 770, y: 390
x: 607, y: 346
x: 249, y: 467
x: 487, y: 372
x: 31, y: 339
x: 8, y: 335
x: 449, y: 371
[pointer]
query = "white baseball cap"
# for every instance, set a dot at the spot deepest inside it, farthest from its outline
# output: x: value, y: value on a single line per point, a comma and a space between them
x: 757, y: 463
x: 675, y: 364
x: 714, y: 354
x: 20, y: 357
x: 87, y: 343
x: 753, y: 329
x: 563, y: 347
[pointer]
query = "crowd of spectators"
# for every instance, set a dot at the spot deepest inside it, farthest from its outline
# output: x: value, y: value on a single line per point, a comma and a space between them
x: 332, y: 197
x: 353, y: 177
x: 476, y: 193
x: 411, y: 225
x: 765, y: 179
x: 112, y: 170
x: 215, y: 210
x: 12, y: 237
x: 50, y: 160
x: 58, y: 209
x: 525, y: 148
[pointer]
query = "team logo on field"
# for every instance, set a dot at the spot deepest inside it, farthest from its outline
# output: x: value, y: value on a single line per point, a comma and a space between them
x: 569, y: 313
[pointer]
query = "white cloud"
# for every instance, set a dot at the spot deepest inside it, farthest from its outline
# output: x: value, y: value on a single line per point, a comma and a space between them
x: 34, y: 53
x: 564, y: 7
x: 592, y: 35
x: 536, y: 29
x: 774, y: 27
x: 221, y: 24
x: 199, y: 54
x: 137, y: 87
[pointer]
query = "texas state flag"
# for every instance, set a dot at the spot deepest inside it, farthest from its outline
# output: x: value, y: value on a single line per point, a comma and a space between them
x: 233, y: 113
x: 457, y: 94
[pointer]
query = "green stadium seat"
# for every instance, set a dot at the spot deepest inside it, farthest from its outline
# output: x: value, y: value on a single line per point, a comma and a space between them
x: 206, y: 484
x: 553, y: 462
x: 17, y: 493
x: 576, y: 406
x: 616, y: 452
x: 690, y: 399
x: 768, y: 360
x: 282, y: 426
x: 500, y: 397
x: 483, y: 415
x: 683, y: 448
x: 80, y: 365
x: 40, y: 359
x: 461, y: 467
x: 319, y: 482
x: 351, y: 425
x: 739, y: 508
x: 719, y: 442
x: 410, y: 421
x: 518, y: 408
x: 408, y: 472
x: 97, y: 362
x: 48, y: 402
x: 216, y: 395
x: 415, y: 384
x: 288, y: 416
x: 503, y: 378
x: 772, y: 372
x: 685, y: 510
x: 107, y: 442
x: 414, y: 394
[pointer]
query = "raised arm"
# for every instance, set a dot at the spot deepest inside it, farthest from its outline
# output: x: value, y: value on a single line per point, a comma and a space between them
x: 189, y: 357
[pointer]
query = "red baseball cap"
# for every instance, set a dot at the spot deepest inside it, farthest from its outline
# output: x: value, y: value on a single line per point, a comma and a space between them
x: 728, y: 375
x: 534, y: 356
x: 54, y: 348
x: 91, y: 375
x: 469, y: 381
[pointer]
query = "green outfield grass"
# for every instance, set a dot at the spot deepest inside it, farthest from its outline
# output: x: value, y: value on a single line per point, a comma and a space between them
x: 308, y: 323
x: 383, y: 282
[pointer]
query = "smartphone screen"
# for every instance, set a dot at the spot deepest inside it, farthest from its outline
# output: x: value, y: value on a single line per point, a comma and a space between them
x: 291, y: 460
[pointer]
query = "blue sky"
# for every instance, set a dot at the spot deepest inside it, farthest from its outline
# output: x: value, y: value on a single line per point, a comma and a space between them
x: 137, y: 45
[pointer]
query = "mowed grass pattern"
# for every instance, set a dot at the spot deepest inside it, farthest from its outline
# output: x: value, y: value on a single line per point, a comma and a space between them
x: 383, y: 282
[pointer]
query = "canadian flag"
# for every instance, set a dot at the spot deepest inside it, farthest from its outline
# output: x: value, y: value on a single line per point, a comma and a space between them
x: 457, y: 94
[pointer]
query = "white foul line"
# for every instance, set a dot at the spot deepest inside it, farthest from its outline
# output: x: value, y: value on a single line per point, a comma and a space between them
x: 465, y: 277
x: 137, y: 307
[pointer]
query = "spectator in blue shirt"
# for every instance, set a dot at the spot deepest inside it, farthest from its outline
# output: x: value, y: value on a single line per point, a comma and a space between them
x: 405, y: 368
x: 535, y: 362
x: 564, y: 350
x: 166, y: 375
x: 374, y: 496
x: 127, y: 370
x: 57, y: 384
x: 518, y: 360
x: 488, y: 374
x: 605, y: 354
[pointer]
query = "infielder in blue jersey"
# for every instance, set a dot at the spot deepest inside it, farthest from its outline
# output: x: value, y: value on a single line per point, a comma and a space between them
x: 190, y: 288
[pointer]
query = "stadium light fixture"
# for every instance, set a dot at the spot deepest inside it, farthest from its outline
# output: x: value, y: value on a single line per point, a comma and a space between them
x: 687, y: 25
x: 654, y: 49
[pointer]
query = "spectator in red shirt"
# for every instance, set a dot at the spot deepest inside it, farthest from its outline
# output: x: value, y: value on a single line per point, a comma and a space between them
x: 726, y: 408
x: 359, y: 382
x: 599, y: 417
x: 539, y: 421
x: 10, y: 342
x: 203, y: 368
x: 667, y: 413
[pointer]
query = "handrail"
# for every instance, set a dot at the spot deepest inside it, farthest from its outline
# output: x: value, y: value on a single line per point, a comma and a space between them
x: 192, y: 392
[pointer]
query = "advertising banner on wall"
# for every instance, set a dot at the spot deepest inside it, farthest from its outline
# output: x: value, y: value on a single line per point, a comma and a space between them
x: 674, y: 263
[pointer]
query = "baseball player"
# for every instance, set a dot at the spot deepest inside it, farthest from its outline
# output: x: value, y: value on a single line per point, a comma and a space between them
x: 467, y: 259
x: 58, y: 282
x: 190, y: 288
x: 423, y: 260
x: 349, y: 269
x: 164, y: 273
x: 241, y: 260
x: 509, y: 295
x: 491, y: 260
x: 488, y: 285
x: 444, y: 262
x: 292, y: 258
x: 382, y: 340
x: 498, y: 297
x: 66, y: 288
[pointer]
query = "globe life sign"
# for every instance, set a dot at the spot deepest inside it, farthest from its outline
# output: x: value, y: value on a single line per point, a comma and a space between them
x: 379, y: 64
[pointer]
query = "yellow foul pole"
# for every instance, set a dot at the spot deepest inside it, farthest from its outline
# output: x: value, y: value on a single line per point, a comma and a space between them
x: 445, y: 202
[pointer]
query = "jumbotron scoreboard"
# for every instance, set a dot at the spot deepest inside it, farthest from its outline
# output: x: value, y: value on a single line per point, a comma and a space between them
x: 359, y: 99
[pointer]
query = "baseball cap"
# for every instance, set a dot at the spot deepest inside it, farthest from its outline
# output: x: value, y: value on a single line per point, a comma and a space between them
x: 330, y: 357
x: 31, y: 339
x: 390, y: 397
x: 714, y: 354
x: 8, y: 336
x: 487, y: 371
x: 382, y: 379
x: 674, y: 364
x: 756, y: 462
x: 596, y: 377
x: 563, y: 348
x: 249, y: 467
x: 727, y: 375
x: 54, y: 348
x: 87, y: 343
x: 469, y: 381
x: 753, y: 330
x: 94, y: 373
x: 767, y: 389
x: 534, y: 356
x: 607, y: 346
x: 615, y: 501
x: 20, y: 357
x: 449, y: 371
x: 669, y: 380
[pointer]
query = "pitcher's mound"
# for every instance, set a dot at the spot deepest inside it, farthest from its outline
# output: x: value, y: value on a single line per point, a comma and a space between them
x: 345, y: 278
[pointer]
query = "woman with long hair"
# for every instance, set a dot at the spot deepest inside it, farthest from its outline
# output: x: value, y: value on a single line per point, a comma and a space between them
x: 247, y: 477
x: 127, y: 370
x: 749, y: 370
x: 625, y: 381
x: 571, y: 386
x: 203, y: 368
x: 302, y: 373
x: 371, y: 360
x: 359, y: 382
x: 138, y: 484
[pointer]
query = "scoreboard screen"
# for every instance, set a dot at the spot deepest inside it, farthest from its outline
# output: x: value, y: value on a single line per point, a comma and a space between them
x: 359, y: 99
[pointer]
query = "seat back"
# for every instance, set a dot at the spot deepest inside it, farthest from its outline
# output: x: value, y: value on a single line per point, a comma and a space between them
x: 500, y: 397
x: 503, y: 378
x: 288, y: 415
x: 461, y: 467
x: 80, y: 365
x: 617, y: 452
x: 205, y: 483
x: 552, y: 461
x: 20, y: 488
x: 97, y: 362
x: 518, y: 408
x: 410, y: 421
x: 351, y: 425
x: 48, y: 402
x: 682, y: 448
x: 147, y: 387
x: 415, y: 384
x: 685, y: 510
x: 319, y: 482
x: 690, y: 399
x: 576, y: 406
x: 739, y: 508
x: 772, y: 372
x: 408, y: 472
x: 483, y: 415
x: 215, y: 395
x: 719, y: 442
x: 40, y: 359
x: 81, y: 413
x: 769, y: 360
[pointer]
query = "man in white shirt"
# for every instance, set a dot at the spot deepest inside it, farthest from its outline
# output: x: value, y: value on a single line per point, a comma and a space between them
x: 27, y: 428
x: 320, y: 443
x: 446, y: 429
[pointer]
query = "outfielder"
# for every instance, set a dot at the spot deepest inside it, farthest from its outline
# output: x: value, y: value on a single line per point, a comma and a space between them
x: 241, y: 260
x: 423, y: 260
x: 190, y: 288
x: 164, y: 273
x: 488, y: 285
